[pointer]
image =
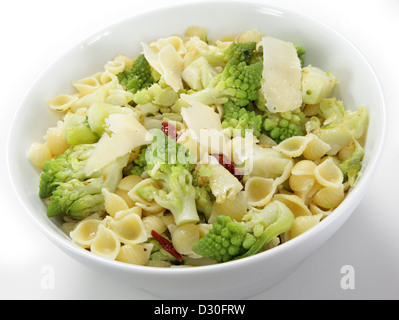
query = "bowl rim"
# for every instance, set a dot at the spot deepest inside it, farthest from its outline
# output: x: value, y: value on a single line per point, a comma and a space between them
x: 367, y: 175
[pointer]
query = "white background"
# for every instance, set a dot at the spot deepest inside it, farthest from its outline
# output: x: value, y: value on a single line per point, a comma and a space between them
x: 35, y: 33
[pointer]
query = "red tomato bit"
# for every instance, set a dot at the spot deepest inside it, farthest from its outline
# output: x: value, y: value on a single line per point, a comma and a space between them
x: 166, y: 245
x: 170, y: 130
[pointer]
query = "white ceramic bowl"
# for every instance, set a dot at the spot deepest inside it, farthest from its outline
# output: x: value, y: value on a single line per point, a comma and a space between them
x: 358, y: 85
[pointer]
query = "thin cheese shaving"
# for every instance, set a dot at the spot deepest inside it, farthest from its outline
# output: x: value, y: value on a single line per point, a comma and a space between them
x: 127, y: 134
x: 282, y: 74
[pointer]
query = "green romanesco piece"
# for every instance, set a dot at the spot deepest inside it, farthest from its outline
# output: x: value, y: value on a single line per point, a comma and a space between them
x: 283, y: 125
x: 67, y: 166
x: 236, y: 117
x: 230, y: 240
x: 352, y: 165
x: 239, y: 81
x: 225, y: 241
x: 138, y: 77
x: 170, y: 163
x: 81, y: 197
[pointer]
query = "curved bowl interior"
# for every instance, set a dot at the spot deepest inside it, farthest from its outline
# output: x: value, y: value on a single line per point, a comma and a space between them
x: 358, y: 85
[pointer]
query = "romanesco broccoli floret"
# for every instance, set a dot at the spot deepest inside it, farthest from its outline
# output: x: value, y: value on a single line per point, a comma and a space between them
x: 283, y: 125
x: 67, y: 166
x: 158, y: 93
x: 170, y: 162
x: 80, y: 198
x: 239, y: 81
x: 229, y: 239
x: 138, y: 77
x: 226, y: 240
x: 352, y: 165
x: 236, y: 117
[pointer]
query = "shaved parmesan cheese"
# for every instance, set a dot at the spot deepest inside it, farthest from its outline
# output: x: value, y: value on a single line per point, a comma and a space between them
x: 168, y: 63
x: 282, y: 75
x: 205, y: 127
x: 199, y: 116
x: 127, y: 134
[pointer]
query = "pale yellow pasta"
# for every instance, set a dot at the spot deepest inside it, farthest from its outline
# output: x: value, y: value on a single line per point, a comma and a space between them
x: 55, y: 140
x: 86, y: 85
x: 123, y: 194
x: 134, y: 210
x: 328, y: 174
x: 39, y: 153
x: 316, y: 148
x: 252, y: 35
x: 259, y: 191
x: 303, y: 223
x: 175, y: 41
x: 304, y: 167
x: 294, y: 146
x: 235, y: 208
x: 106, y: 77
x: 84, y: 232
x: 307, y: 195
x: 113, y: 203
x: 62, y: 102
x: 278, y: 165
x: 301, y: 183
x: 119, y: 97
x: 154, y: 222
x: 128, y: 182
x: 168, y: 219
x: 106, y: 243
x: 129, y: 228
x: 329, y: 197
x: 317, y: 210
x: 115, y: 66
x: 137, y: 254
x: 184, y: 237
x: 294, y: 203
x: 196, y: 31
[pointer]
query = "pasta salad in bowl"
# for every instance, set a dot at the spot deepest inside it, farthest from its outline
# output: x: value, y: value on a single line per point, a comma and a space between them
x: 199, y: 151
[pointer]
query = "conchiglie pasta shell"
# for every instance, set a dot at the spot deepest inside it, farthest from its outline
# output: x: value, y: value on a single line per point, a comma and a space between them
x: 301, y: 183
x: 56, y: 141
x: 328, y: 174
x: 137, y: 254
x: 84, y: 232
x: 86, y: 85
x: 184, y: 237
x: 316, y: 148
x: 129, y: 228
x: 259, y: 191
x: 128, y: 182
x: 303, y: 223
x: 124, y: 196
x: 329, y: 197
x: 113, y: 202
x: 154, y: 222
x: 294, y: 146
x: 106, y: 243
x: 294, y: 203
x: 39, y: 153
x: 115, y: 66
x: 61, y: 102
x: 304, y: 167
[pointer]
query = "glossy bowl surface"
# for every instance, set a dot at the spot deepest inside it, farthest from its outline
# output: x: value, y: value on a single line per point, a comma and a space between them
x: 326, y: 48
